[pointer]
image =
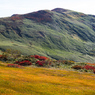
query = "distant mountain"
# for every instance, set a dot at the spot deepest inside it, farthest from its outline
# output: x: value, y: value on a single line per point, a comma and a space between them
x: 58, y: 33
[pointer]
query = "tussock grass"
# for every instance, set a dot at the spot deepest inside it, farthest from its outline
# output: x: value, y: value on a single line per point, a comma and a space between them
x: 45, y: 81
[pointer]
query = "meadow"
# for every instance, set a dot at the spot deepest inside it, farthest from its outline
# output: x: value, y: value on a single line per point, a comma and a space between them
x: 31, y: 80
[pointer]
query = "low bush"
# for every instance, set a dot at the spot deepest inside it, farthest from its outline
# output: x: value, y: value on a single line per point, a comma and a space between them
x: 87, y: 67
x: 3, y: 57
x: 82, y: 63
x: 40, y: 63
x: 14, y: 65
x: 39, y: 57
x: 23, y: 63
x: 77, y: 67
x: 43, y: 63
x: 67, y: 62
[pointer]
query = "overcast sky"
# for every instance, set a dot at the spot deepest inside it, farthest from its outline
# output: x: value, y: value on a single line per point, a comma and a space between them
x: 10, y: 7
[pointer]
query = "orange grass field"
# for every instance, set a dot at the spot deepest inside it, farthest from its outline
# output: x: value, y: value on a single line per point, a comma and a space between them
x: 45, y: 81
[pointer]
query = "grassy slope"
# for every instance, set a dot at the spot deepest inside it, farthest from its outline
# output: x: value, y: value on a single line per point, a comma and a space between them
x: 69, y: 36
x: 45, y: 81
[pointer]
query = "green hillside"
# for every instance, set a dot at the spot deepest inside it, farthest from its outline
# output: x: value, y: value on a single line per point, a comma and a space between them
x: 58, y: 33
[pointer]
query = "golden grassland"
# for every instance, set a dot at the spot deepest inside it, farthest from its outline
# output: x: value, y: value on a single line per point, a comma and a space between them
x: 45, y: 81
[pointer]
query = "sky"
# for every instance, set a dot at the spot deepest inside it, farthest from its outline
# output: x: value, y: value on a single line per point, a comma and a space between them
x: 10, y: 7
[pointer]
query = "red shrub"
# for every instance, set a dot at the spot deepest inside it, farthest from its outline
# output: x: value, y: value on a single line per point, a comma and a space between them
x: 49, y: 63
x: 14, y: 65
x: 37, y: 56
x: 1, y: 56
x: 89, y: 67
x: 25, y: 62
x: 32, y: 56
x: 40, y: 57
x: 40, y: 63
x: 43, y: 58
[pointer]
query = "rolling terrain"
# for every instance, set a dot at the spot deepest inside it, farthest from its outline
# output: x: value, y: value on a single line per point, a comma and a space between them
x: 58, y: 34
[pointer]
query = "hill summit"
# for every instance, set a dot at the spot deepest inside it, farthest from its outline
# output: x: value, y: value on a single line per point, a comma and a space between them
x: 58, y: 33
